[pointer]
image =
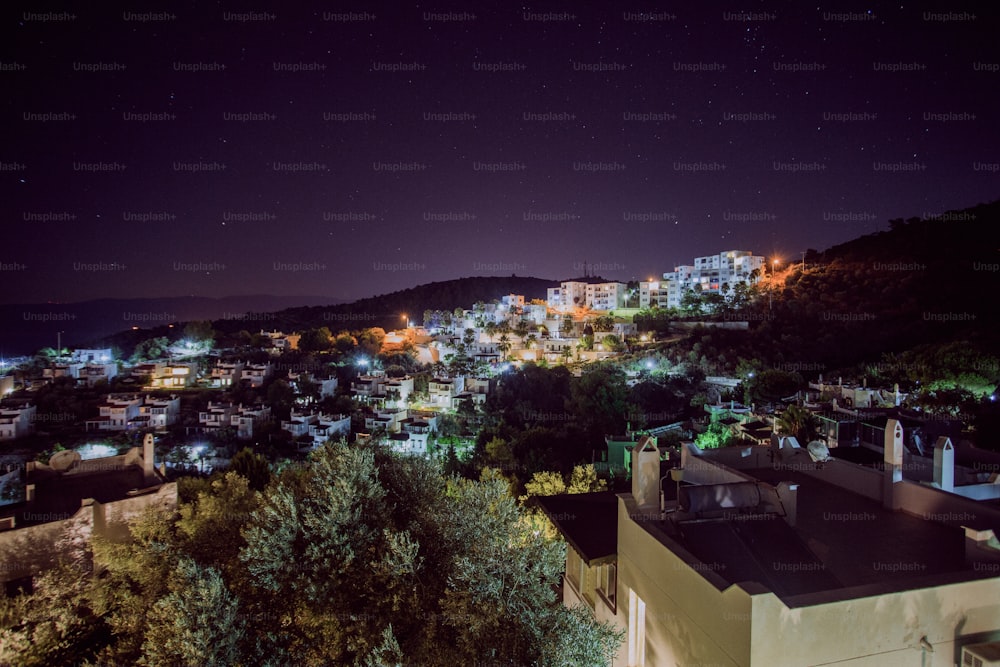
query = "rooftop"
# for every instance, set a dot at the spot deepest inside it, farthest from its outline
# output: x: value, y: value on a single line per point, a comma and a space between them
x: 588, y: 521
x: 59, y: 497
x: 841, y: 541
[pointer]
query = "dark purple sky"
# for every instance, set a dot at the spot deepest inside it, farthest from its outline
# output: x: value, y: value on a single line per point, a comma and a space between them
x: 533, y: 138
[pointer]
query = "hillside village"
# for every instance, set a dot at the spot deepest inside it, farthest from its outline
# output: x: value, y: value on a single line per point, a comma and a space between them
x: 92, y: 440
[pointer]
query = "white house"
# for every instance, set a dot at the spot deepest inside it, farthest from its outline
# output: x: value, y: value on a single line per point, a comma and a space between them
x: 226, y: 373
x: 256, y: 373
x: 159, y: 413
x: 246, y: 418
x: 116, y: 413
x: 441, y: 391
x: 17, y: 419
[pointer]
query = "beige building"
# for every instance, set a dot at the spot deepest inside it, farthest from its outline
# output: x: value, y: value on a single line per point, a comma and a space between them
x: 69, y: 500
x: 763, y: 556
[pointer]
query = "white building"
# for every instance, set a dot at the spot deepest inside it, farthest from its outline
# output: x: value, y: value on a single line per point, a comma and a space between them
x: 99, y: 356
x: 317, y: 425
x: 174, y: 375
x: 17, y: 419
x: 246, y: 418
x: 226, y: 373
x: 159, y: 413
x: 256, y: 373
x: 769, y: 556
x: 442, y: 391
x: 388, y: 419
x: 116, y: 413
x: 606, y: 296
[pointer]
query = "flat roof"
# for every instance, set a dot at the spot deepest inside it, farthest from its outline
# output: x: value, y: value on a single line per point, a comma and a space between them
x: 841, y: 540
x: 588, y: 521
x: 58, y: 497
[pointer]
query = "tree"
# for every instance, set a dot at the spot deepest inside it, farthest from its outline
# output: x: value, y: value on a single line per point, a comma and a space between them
x: 544, y: 483
x: 504, y: 345
x: 359, y: 557
x: 599, y: 401
x: 567, y: 326
x: 613, y: 343
x: 715, y: 436
x: 200, y: 330
x: 151, y: 349
x: 490, y: 330
x: 691, y: 303
x: 281, y: 397
x: 584, y: 479
x: 198, y: 623
x: 604, y: 323
x: 799, y: 422
x: 59, y: 623
x: 344, y: 343
x: 316, y: 340
x: 252, y: 467
x: 370, y: 340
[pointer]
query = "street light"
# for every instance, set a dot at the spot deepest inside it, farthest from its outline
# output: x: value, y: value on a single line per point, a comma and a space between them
x: 770, y: 292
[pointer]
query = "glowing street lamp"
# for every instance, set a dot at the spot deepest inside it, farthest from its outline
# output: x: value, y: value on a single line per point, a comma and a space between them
x: 770, y: 293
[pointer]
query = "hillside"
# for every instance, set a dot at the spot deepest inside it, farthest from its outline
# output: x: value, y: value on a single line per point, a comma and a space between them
x: 386, y: 310
x: 27, y: 327
x: 921, y: 283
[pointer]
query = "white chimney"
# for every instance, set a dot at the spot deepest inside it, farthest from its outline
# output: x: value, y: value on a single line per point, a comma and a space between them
x: 646, y: 473
x: 944, y: 464
x: 893, y: 458
x: 788, y: 493
x: 147, y: 456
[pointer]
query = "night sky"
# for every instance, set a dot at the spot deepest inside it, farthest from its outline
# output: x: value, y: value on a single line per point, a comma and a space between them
x: 354, y: 149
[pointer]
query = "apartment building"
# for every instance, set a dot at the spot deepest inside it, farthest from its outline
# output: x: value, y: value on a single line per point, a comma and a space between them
x: 772, y: 556
x: 706, y: 274
x: 577, y: 294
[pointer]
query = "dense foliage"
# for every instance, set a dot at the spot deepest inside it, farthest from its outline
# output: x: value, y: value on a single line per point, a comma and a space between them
x: 361, y: 557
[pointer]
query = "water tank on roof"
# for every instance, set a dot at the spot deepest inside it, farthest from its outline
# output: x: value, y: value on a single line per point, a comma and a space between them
x: 64, y: 460
x: 718, y: 497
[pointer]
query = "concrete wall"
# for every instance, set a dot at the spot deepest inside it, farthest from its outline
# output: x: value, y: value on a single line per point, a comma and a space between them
x: 979, y: 491
x: 30, y: 550
x: 698, y: 470
x: 941, y: 506
x: 877, y: 631
x: 689, y: 621
x: 862, y: 480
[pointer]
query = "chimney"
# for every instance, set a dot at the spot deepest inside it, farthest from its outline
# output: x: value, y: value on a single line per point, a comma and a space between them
x: 944, y: 464
x: 788, y: 493
x: 893, y: 457
x: 646, y: 473
x: 147, y: 456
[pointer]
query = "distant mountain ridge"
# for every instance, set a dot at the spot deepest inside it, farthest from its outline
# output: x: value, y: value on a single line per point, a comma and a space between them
x: 25, y: 328
x: 387, y: 310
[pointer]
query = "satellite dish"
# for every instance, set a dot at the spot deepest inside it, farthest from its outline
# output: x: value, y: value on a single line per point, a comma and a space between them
x: 64, y: 461
x: 818, y: 451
